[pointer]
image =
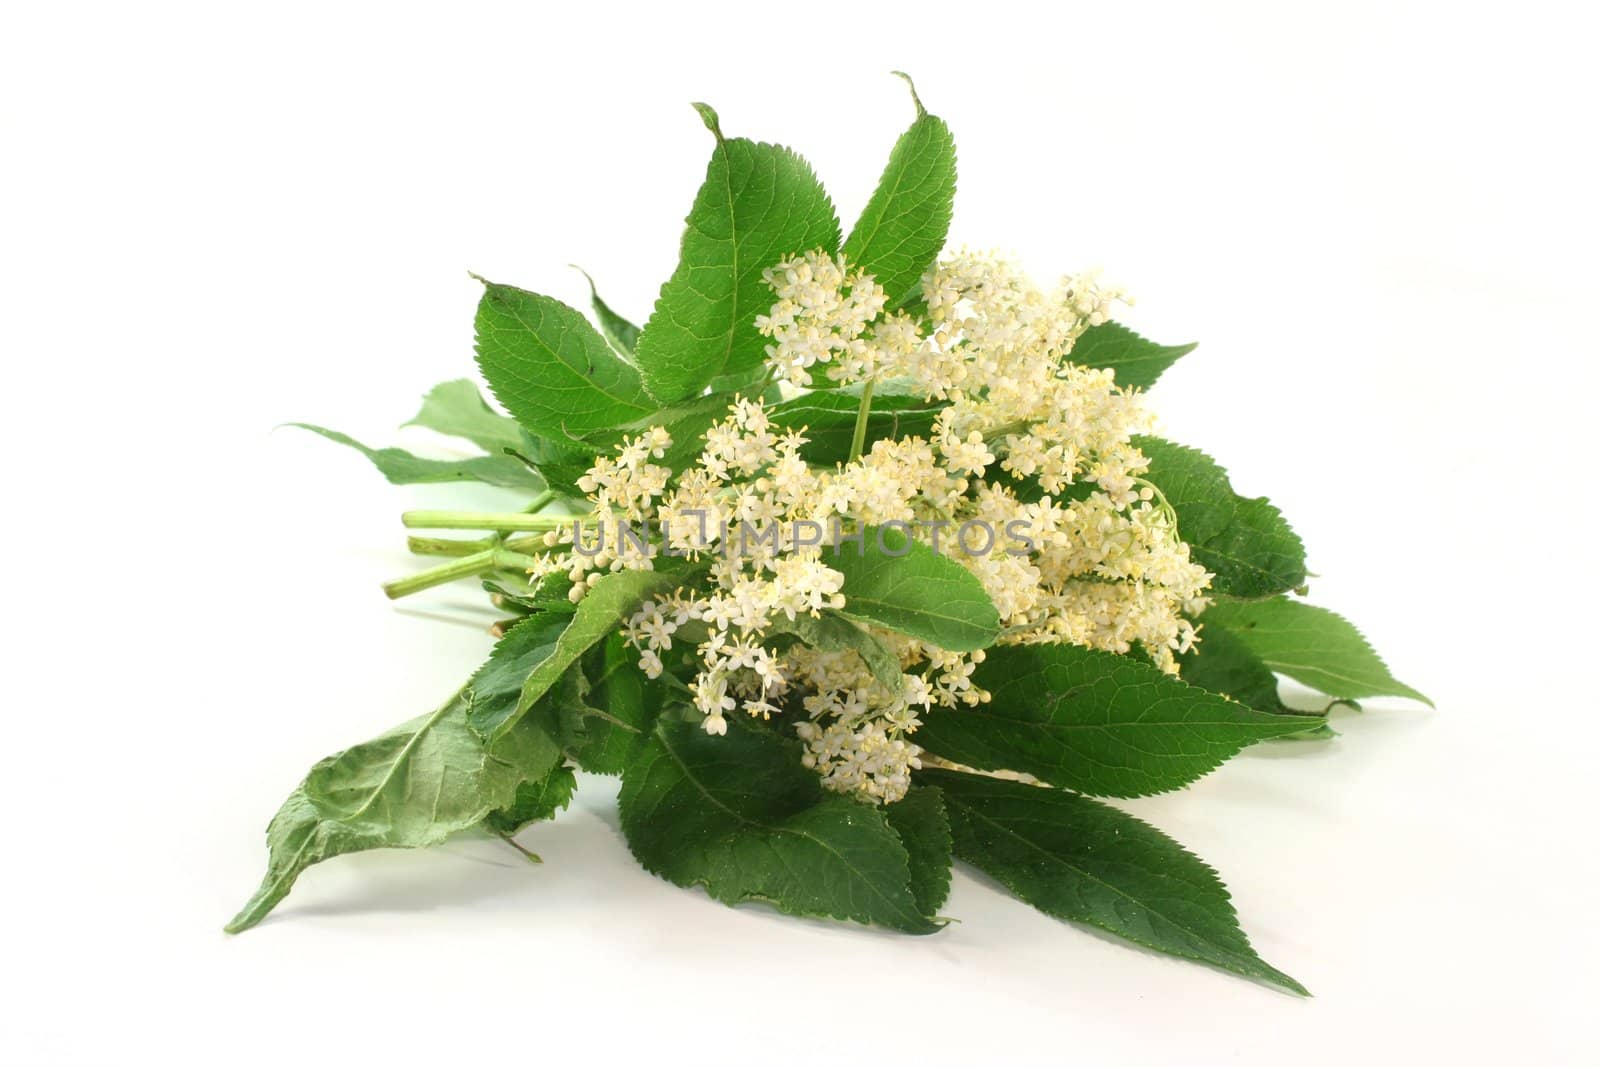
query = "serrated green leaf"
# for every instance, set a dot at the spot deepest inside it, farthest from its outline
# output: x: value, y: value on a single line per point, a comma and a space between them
x: 904, y: 585
x: 1095, y: 722
x: 562, y: 462
x: 550, y: 369
x: 1311, y: 645
x: 403, y: 468
x: 1220, y: 663
x: 1086, y: 862
x: 409, y: 788
x: 920, y: 821
x: 904, y: 224
x: 1244, y: 541
x: 830, y: 632
x: 623, y: 335
x: 739, y: 815
x: 759, y: 203
x: 613, y: 718
x: 457, y: 409
x: 546, y: 645
x: 535, y: 801
x: 492, y: 694
x: 829, y: 420
x: 1135, y: 360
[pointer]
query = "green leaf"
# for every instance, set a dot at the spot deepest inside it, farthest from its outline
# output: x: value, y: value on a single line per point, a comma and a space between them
x: 759, y: 204
x: 915, y: 304
x: 686, y: 422
x: 1086, y: 862
x: 1245, y: 542
x: 550, y: 369
x: 828, y: 418
x: 1136, y: 361
x: 545, y: 646
x: 831, y: 632
x: 924, y: 829
x: 904, y: 224
x: 623, y: 335
x: 739, y: 815
x: 906, y: 586
x: 1317, y: 733
x: 403, y: 468
x: 492, y: 694
x: 1096, y: 722
x: 611, y: 720
x: 561, y: 461
x: 1221, y: 663
x: 409, y: 788
x: 457, y: 409
x: 535, y: 801
x: 751, y: 382
x: 547, y: 594
x: 1312, y: 645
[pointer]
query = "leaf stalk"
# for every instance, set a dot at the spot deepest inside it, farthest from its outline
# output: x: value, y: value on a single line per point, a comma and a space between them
x: 858, y: 439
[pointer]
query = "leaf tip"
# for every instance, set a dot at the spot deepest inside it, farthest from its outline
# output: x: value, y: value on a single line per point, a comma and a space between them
x: 1283, y: 981
x: 708, y: 115
x: 593, y: 292
x: 254, y: 910
x: 915, y: 99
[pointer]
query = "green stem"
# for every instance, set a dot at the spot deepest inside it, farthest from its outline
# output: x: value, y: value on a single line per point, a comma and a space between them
x: 505, y: 559
x: 447, y: 546
x: 1166, y: 505
x: 859, y: 439
x: 998, y: 435
x: 465, y: 567
x: 536, y: 505
x: 522, y: 544
x: 480, y: 520
x: 529, y: 856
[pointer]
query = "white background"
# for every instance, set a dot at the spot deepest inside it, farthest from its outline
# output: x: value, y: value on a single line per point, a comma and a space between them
x: 1380, y: 222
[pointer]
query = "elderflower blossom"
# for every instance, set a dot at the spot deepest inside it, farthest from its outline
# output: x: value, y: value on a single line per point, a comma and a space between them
x: 1091, y: 555
x: 822, y: 316
x: 1111, y: 571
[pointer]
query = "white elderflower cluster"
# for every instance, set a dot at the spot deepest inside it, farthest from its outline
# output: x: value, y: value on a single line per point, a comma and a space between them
x: 1030, y: 478
x: 756, y: 516
x: 1110, y: 571
x: 624, y: 490
x: 822, y: 316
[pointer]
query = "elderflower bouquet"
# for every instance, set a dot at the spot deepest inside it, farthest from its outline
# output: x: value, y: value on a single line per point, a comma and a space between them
x: 859, y: 557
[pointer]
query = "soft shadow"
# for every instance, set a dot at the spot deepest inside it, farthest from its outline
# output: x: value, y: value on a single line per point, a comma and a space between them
x: 1352, y: 726
x: 470, y: 617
